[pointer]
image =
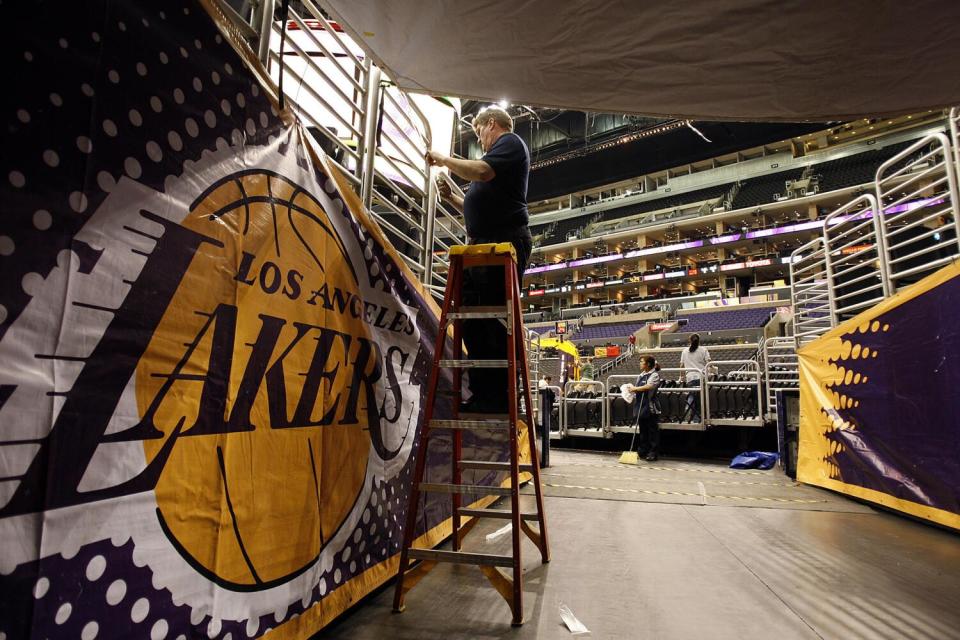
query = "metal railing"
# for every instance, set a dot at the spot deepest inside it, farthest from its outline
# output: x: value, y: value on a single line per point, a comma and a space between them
x: 681, y: 418
x: 569, y: 405
x: 918, y: 240
x: 810, y: 292
x: 781, y: 369
x: 954, y: 119
x: 376, y: 133
x: 616, y: 362
x: 532, y: 341
x: 876, y: 244
x: 852, y: 234
x: 744, y: 384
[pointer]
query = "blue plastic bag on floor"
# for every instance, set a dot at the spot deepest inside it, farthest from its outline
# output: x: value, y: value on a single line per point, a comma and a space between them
x: 754, y: 460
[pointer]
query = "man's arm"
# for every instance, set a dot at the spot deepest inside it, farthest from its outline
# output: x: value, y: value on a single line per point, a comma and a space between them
x: 456, y: 201
x: 472, y: 170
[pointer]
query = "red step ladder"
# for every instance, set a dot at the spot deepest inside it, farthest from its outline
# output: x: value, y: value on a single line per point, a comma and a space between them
x: 453, y: 313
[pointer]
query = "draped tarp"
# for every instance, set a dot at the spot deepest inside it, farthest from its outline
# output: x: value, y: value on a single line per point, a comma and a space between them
x: 704, y: 59
x: 879, y: 408
x: 212, y: 364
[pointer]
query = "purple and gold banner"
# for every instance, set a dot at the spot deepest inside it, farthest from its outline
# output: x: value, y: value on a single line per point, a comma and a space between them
x: 213, y: 365
x: 879, y: 407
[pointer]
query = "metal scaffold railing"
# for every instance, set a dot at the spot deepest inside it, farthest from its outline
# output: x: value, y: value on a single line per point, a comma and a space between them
x: 781, y: 369
x: 954, y: 119
x: 917, y: 238
x: 877, y: 244
x: 853, y: 258
x: 809, y: 292
x: 377, y: 134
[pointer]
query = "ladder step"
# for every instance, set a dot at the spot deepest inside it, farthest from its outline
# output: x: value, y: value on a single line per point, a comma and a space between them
x: 472, y: 489
x: 462, y: 557
x: 469, y: 364
x: 466, y: 313
x: 500, y: 514
x: 470, y: 424
x: 493, y: 466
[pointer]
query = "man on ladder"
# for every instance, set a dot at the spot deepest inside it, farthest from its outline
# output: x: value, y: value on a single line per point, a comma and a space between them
x: 495, y: 210
x: 482, y: 306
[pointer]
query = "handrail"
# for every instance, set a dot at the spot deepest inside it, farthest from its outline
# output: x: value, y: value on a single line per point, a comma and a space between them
x: 810, y: 293
x: 329, y: 28
x: 347, y: 96
x: 756, y: 380
x: 886, y: 248
x: 843, y: 231
x: 701, y: 389
x: 898, y: 250
x: 954, y: 119
x: 620, y: 359
x: 568, y: 400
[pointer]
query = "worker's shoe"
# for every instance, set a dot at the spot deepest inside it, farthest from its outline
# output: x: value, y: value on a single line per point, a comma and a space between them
x: 651, y: 457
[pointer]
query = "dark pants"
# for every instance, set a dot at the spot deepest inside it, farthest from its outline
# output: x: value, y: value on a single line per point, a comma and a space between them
x: 693, y: 404
x: 486, y: 339
x: 546, y: 418
x: 649, y: 432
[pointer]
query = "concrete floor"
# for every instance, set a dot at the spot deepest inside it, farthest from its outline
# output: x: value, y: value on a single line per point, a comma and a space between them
x: 679, y: 549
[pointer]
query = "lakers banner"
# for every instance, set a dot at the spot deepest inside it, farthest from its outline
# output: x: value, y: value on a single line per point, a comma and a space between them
x: 213, y: 367
x: 879, y: 408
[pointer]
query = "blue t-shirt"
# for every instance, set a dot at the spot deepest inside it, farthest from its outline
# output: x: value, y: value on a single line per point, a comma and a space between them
x: 500, y: 205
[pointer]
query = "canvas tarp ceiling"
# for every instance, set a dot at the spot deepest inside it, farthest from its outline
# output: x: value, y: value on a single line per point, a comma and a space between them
x: 704, y: 59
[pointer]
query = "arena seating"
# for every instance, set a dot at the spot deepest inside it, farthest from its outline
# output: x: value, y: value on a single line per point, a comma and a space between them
x: 608, y: 331
x: 833, y: 174
x: 760, y: 190
x: 599, y: 362
x: 587, y: 414
x: 550, y: 367
x: 727, y: 401
x: 724, y: 320
x: 666, y: 358
x: 669, y: 201
x: 564, y: 227
x: 560, y: 231
x: 670, y: 359
x: 854, y: 170
x: 542, y: 330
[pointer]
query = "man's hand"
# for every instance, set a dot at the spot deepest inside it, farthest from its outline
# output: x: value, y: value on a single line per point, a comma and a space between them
x: 443, y: 187
x: 436, y: 159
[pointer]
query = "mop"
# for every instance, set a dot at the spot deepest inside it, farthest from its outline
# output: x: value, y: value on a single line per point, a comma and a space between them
x: 630, y: 456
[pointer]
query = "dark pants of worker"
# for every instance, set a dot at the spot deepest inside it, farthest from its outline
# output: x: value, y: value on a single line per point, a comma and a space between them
x: 486, y: 339
x: 649, y: 432
x: 546, y: 418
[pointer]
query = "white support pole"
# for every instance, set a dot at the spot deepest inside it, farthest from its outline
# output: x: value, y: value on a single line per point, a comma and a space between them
x: 429, y: 230
x: 369, y: 143
x: 265, y: 10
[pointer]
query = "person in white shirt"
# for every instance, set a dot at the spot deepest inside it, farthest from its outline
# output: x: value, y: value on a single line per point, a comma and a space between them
x: 647, y: 409
x: 694, y: 360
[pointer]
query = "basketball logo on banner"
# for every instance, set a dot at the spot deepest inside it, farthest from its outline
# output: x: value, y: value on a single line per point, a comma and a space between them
x: 252, y: 373
x: 251, y: 357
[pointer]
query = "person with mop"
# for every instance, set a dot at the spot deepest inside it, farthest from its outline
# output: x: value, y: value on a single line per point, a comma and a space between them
x: 648, y: 409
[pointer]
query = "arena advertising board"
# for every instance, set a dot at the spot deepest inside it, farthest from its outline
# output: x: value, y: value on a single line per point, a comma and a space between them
x: 879, y: 408
x: 214, y: 366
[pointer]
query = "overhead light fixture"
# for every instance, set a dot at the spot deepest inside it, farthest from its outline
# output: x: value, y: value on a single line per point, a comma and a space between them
x: 503, y: 104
